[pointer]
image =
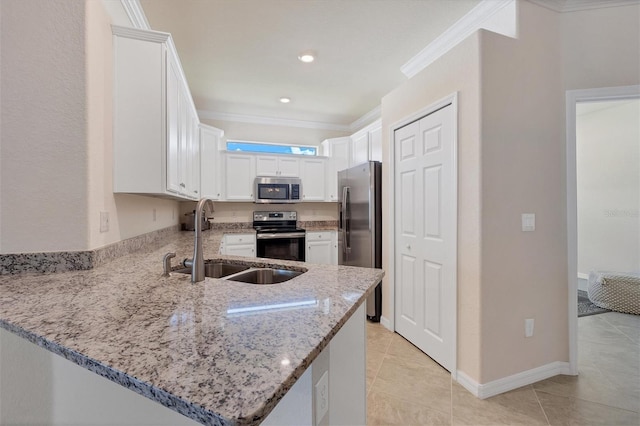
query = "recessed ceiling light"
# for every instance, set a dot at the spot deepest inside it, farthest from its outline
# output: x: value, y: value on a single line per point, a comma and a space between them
x: 285, y: 100
x: 307, y: 56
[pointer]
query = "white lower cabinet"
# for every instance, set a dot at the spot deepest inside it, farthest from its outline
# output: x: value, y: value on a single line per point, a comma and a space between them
x: 322, y: 247
x: 239, y: 245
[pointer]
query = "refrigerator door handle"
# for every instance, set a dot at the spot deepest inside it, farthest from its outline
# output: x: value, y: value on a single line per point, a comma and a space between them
x: 346, y: 234
x: 343, y: 219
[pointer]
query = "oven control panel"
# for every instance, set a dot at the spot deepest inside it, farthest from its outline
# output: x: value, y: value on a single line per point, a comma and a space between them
x: 274, y: 216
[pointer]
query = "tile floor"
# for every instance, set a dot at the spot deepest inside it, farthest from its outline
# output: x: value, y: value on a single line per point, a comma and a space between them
x: 405, y: 387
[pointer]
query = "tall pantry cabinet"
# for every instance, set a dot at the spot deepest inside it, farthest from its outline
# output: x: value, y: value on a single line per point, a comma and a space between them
x: 156, y: 134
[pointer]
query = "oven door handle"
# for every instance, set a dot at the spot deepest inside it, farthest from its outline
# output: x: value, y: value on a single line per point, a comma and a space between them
x: 278, y: 235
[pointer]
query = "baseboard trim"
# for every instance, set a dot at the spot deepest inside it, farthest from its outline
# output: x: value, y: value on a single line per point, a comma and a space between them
x: 386, y: 323
x: 496, y: 387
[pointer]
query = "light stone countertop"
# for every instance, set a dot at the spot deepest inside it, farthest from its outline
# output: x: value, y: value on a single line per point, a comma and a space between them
x: 191, y: 347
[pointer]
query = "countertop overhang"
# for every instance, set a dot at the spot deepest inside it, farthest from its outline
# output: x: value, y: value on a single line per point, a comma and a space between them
x: 218, y: 351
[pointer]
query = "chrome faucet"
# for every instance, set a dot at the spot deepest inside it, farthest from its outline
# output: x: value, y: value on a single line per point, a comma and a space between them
x: 197, y: 263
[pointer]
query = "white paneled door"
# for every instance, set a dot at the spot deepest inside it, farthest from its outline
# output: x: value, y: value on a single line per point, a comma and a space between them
x: 425, y: 233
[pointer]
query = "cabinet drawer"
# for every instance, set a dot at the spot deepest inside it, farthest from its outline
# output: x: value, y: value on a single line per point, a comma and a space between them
x: 319, y: 236
x: 231, y: 239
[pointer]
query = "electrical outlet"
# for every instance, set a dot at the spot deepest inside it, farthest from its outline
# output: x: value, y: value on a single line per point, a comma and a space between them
x: 528, y: 222
x: 154, y: 215
x: 322, y: 397
x: 528, y: 327
x: 104, y: 221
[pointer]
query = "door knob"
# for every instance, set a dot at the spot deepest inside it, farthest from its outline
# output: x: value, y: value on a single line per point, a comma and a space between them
x: 408, y: 246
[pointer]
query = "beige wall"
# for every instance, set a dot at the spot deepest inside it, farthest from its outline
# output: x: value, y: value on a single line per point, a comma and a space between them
x: 56, y: 169
x: 512, y: 161
x: 457, y: 71
x: 523, y: 274
x: 601, y: 47
x: 130, y: 215
x: 275, y: 134
x: 44, y: 151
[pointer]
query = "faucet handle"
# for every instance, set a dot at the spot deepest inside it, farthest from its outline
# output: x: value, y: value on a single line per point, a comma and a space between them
x: 166, y: 262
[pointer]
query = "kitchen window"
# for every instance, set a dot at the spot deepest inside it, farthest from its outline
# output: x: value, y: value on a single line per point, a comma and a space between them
x: 271, y: 148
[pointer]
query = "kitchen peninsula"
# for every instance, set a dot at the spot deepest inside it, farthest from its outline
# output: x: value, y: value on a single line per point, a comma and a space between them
x: 218, y: 352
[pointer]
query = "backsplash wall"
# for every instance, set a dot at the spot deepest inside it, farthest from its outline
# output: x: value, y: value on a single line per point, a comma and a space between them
x: 227, y: 212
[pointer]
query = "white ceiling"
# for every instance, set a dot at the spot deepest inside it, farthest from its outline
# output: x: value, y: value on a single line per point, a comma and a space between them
x: 240, y: 56
x: 575, y: 5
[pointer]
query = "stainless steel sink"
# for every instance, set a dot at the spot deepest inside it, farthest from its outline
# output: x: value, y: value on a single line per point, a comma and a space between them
x: 265, y: 276
x: 216, y: 269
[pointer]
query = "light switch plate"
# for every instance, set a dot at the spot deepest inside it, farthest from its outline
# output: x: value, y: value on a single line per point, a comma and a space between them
x: 322, y: 397
x: 528, y: 327
x: 528, y: 222
x: 104, y: 221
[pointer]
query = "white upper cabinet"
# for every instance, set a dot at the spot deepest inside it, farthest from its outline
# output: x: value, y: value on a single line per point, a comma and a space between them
x: 210, y: 164
x: 156, y: 146
x: 313, y: 171
x: 339, y: 152
x: 241, y: 168
x: 240, y: 173
x: 275, y: 165
x: 360, y: 147
x: 375, y: 141
x: 366, y: 144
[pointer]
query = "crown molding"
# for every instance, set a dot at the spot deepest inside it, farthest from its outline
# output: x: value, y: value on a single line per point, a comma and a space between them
x: 269, y: 121
x: 147, y: 35
x: 368, y: 118
x: 563, y: 6
x: 136, y: 15
x: 469, y: 23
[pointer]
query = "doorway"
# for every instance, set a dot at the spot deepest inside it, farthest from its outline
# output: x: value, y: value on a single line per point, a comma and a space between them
x: 583, y: 100
x: 425, y: 230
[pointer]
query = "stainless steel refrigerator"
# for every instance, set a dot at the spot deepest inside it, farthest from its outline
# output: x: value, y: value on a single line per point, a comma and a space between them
x: 360, y: 227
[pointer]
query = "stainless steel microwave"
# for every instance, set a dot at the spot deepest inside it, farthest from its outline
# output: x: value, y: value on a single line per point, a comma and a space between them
x: 277, y: 190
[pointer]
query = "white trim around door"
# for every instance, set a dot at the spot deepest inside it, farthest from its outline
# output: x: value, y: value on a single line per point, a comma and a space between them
x: 572, y: 98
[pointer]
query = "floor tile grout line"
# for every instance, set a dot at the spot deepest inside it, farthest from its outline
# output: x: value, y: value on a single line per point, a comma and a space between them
x: 604, y: 318
x: 535, y: 392
x: 375, y: 376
